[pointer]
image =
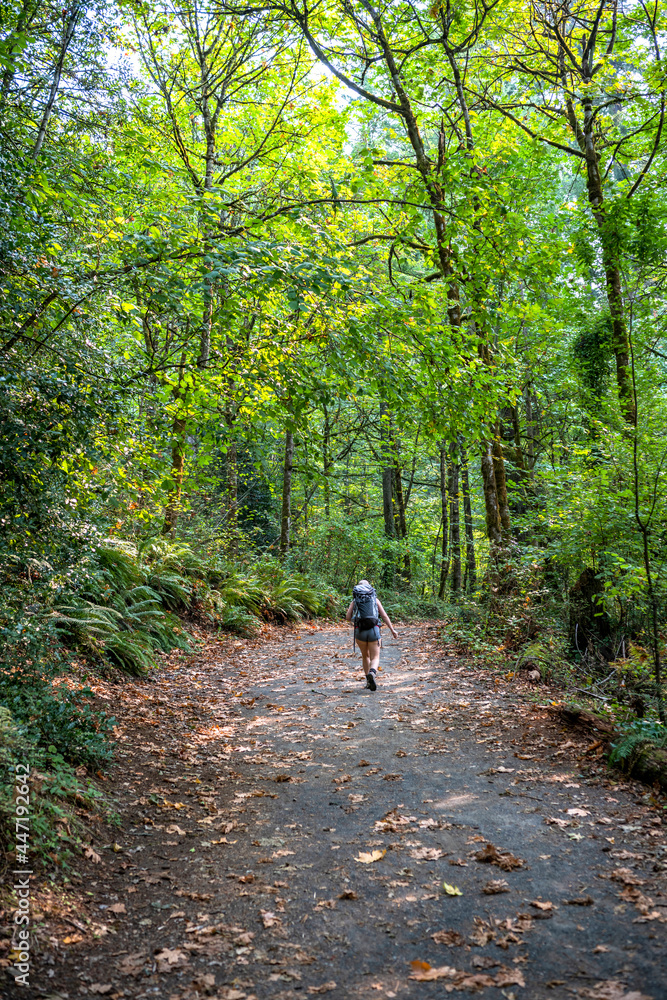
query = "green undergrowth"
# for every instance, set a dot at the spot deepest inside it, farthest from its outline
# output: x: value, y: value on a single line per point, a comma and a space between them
x: 111, y: 608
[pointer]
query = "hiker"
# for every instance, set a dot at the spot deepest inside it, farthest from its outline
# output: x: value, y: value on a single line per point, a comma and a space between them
x: 363, y: 612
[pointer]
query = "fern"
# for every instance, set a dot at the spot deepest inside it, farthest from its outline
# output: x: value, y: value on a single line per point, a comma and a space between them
x: 641, y: 733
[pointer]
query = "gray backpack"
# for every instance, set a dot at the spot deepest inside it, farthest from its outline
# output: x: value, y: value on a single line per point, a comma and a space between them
x: 365, y: 613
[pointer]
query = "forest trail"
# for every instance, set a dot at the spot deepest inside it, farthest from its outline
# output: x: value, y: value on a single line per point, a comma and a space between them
x: 253, y: 777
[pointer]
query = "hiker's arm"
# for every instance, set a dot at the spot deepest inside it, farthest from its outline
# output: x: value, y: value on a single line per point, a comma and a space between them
x: 348, y: 616
x: 385, y: 618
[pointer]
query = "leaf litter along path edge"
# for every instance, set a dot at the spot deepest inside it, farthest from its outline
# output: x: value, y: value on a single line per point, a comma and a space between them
x: 287, y: 833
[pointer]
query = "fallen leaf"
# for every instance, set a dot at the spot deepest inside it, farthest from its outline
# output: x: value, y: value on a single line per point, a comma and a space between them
x: 545, y: 905
x: 579, y: 901
x: 577, y: 812
x: 601, y: 949
x: 324, y: 988
x: 100, y: 989
x: 424, y: 973
x: 451, y: 938
x: 503, y: 859
x: 508, y: 977
x: 495, y: 886
x: 132, y: 965
x: 269, y: 919
x: 426, y: 853
x: 73, y: 939
x: 451, y: 890
x: 175, y: 828
x: 117, y: 908
x: 364, y: 763
x: 170, y: 959
x: 342, y: 780
x: 92, y: 855
x: 611, y: 989
x: 368, y: 857
x: 348, y: 894
x: 459, y: 862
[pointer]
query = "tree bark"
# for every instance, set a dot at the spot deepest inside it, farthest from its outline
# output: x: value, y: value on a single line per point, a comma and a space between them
x: 444, y: 503
x: 387, y: 473
x: 68, y: 34
x: 231, y: 463
x: 286, y: 515
x: 471, y: 564
x: 501, y: 486
x: 173, y: 504
x: 493, y: 524
x: 455, y: 518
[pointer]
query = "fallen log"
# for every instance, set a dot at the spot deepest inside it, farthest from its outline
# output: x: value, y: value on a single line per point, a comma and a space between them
x: 645, y: 762
x: 583, y: 719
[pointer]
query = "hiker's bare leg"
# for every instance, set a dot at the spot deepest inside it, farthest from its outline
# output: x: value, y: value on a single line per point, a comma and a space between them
x: 365, y: 654
x: 374, y: 655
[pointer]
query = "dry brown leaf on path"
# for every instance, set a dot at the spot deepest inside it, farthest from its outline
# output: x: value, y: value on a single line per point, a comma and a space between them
x: 348, y: 894
x: 92, y: 855
x: 601, y: 949
x: 324, y: 988
x: 132, y: 965
x: 579, y: 901
x: 73, y: 939
x: 231, y: 993
x: 368, y: 857
x: 422, y: 972
x: 269, y: 919
x: 577, y: 812
x: 451, y: 938
x: 100, y: 989
x: 556, y: 821
x: 427, y: 853
x: 503, y: 859
x: 170, y: 959
x: 508, y: 977
x: 342, y: 780
x: 545, y: 905
x: 117, y: 908
x: 458, y: 862
x: 174, y: 828
x: 612, y: 989
x: 495, y: 886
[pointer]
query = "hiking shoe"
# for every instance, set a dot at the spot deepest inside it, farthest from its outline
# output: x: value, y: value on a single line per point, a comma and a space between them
x: 370, y: 680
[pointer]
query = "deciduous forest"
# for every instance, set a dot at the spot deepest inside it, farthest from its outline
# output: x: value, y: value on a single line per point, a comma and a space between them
x: 299, y: 292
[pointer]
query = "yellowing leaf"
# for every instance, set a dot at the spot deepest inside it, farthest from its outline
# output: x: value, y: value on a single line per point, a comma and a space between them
x: 451, y: 890
x: 368, y: 857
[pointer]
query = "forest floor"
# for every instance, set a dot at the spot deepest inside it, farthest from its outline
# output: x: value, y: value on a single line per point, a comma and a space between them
x: 286, y: 833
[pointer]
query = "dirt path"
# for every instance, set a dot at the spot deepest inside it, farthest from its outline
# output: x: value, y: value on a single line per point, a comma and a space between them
x: 256, y: 783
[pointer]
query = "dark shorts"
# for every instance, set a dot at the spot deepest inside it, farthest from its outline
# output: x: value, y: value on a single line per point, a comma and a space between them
x: 367, y: 634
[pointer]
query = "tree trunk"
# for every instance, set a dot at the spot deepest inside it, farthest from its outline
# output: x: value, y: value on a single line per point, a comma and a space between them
x: 401, y: 522
x: 531, y: 431
x: 231, y: 462
x: 444, y: 561
x: 286, y: 516
x: 471, y: 564
x: 493, y: 525
x: 620, y: 342
x: 173, y: 504
x: 454, y: 517
x: 68, y: 34
x: 326, y: 462
x: 501, y: 486
x: 387, y: 473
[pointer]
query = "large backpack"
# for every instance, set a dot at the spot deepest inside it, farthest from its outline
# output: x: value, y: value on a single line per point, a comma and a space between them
x: 365, y: 614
